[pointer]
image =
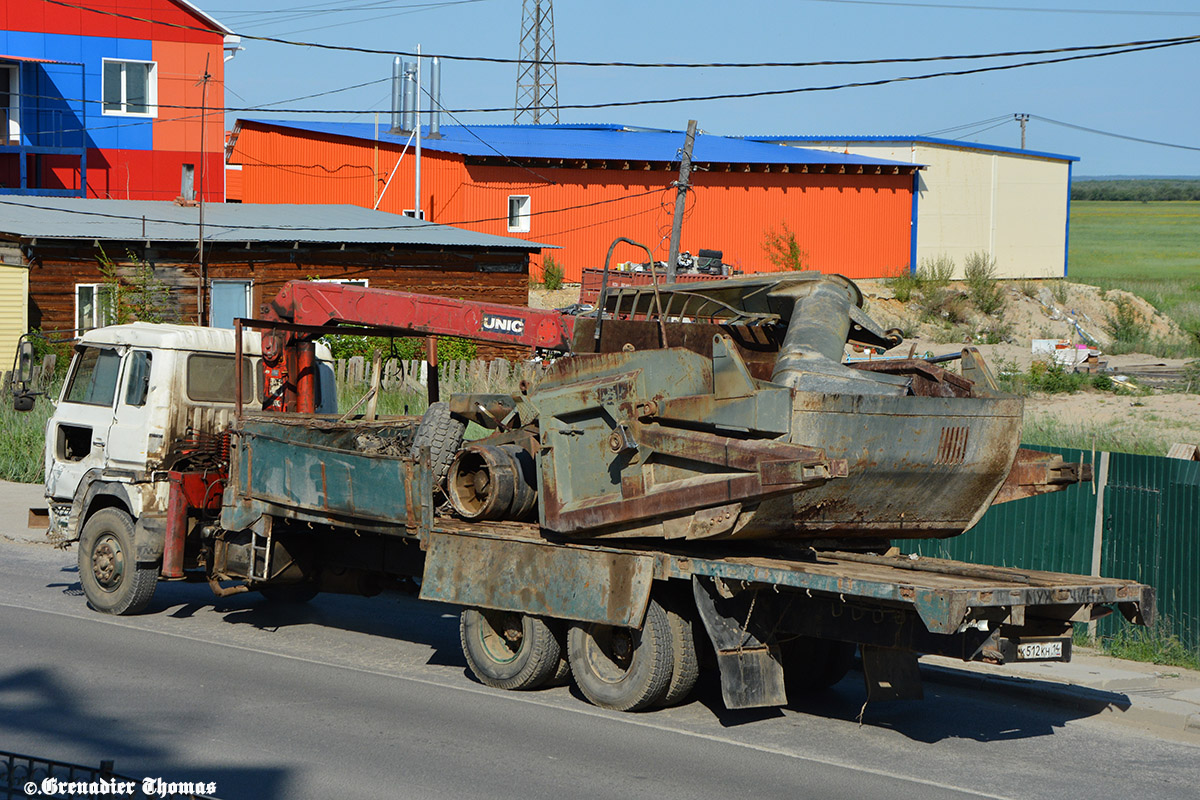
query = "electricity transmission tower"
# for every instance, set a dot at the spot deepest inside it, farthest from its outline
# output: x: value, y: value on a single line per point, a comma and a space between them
x: 537, y: 75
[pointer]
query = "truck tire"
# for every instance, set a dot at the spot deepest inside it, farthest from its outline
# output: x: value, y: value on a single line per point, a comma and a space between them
x: 623, y: 669
x: 507, y: 650
x: 112, y: 580
x: 813, y: 665
x: 685, y: 663
x: 443, y: 434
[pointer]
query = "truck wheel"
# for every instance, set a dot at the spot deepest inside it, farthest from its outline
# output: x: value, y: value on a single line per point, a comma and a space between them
x: 507, y: 650
x: 813, y: 665
x: 443, y: 434
x: 112, y: 580
x: 685, y: 664
x: 623, y: 669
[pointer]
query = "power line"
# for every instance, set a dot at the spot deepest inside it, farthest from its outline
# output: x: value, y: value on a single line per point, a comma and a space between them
x: 723, y: 96
x: 653, y: 65
x: 1114, y: 135
x: 1023, y: 9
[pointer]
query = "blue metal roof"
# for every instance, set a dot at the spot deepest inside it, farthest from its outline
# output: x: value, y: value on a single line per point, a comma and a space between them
x: 958, y: 143
x: 590, y: 141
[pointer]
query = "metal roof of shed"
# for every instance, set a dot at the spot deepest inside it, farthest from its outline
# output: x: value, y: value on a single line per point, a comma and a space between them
x: 160, y: 221
x: 589, y: 141
x: 932, y: 140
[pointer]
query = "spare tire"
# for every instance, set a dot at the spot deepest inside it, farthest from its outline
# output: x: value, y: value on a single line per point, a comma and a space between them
x: 443, y: 435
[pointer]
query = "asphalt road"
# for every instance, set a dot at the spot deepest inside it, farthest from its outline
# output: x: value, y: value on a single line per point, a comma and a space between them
x: 354, y: 697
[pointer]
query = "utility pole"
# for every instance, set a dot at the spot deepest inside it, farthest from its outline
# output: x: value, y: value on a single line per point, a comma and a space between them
x: 203, y: 299
x: 417, y: 134
x: 1022, y: 118
x: 681, y: 190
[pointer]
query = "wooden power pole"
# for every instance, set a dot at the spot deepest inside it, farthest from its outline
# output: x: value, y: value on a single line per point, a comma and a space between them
x: 681, y: 190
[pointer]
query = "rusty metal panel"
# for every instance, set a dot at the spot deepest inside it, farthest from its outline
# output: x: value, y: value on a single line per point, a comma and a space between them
x: 540, y: 578
x: 305, y: 468
x: 1051, y: 532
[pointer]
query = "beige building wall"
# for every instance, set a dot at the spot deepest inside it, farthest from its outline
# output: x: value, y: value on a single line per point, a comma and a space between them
x: 1010, y: 205
x: 14, y: 311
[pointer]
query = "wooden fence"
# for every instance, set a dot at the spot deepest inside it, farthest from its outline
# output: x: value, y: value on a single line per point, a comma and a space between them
x: 478, y: 375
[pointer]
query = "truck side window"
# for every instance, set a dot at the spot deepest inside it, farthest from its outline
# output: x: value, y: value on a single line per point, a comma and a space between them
x: 210, y: 379
x: 94, y: 380
x: 138, y: 384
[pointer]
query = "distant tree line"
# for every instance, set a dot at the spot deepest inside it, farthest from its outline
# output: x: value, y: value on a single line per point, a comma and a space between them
x: 1140, y: 190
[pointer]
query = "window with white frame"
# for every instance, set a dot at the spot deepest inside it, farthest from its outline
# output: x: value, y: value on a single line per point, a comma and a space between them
x: 130, y: 87
x: 518, y: 213
x: 93, y: 306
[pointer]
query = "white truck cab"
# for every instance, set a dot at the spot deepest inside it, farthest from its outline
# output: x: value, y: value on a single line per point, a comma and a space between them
x: 139, y: 400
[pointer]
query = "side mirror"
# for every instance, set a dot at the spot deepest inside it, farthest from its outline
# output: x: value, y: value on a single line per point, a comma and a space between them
x: 23, y: 401
x: 23, y: 373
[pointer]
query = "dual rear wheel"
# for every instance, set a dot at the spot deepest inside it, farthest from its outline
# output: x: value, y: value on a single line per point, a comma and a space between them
x: 623, y: 669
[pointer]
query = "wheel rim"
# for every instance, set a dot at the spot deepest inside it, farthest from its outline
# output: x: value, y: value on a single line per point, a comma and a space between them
x: 108, y: 562
x: 501, y: 635
x: 609, y: 652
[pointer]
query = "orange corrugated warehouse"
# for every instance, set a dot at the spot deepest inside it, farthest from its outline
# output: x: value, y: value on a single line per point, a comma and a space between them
x: 579, y: 187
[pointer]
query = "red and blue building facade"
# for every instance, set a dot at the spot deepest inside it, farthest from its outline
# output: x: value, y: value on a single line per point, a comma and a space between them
x: 108, y: 98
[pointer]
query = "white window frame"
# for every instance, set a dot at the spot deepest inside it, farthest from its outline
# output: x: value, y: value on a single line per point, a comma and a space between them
x: 13, y: 134
x: 151, y: 89
x: 247, y: 282
x: 101, y: 315
x: 522, y: 215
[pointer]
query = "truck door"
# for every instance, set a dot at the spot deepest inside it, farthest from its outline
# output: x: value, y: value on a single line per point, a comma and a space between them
x: 79, y: 437
x: 129, y: 434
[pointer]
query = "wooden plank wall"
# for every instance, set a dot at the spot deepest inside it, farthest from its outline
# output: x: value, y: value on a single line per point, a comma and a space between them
x: 499, y: 276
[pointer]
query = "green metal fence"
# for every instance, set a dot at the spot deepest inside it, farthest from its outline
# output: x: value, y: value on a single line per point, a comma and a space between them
x: 1138, y: 519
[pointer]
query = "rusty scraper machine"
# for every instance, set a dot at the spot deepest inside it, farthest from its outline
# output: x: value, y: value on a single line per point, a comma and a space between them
x: 700, y: 411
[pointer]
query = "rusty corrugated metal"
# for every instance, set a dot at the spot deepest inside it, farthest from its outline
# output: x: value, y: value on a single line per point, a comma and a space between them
x: 857, y: 225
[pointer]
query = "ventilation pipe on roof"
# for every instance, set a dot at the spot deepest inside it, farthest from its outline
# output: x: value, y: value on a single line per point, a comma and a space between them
x: 410, y: 97
x: 435, y: 93
x: 397, y: 91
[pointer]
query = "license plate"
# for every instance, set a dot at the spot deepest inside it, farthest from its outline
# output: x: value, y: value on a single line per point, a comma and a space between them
x: 1039, y: 651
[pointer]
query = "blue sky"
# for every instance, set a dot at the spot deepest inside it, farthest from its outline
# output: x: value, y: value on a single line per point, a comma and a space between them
x: 1149, y: 95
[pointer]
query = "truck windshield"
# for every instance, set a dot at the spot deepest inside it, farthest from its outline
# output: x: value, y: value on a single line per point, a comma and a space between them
x: 210, y: 379
x: 94, y: 380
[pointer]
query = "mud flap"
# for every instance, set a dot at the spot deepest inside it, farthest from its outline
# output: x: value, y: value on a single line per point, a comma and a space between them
x: 751, y: 667
x: 891, y: 674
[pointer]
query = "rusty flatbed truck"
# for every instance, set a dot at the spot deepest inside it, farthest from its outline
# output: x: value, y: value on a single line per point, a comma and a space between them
x: 697, y: 463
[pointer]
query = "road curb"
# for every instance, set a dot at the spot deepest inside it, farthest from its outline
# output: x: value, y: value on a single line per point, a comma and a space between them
x: 1181, y: 717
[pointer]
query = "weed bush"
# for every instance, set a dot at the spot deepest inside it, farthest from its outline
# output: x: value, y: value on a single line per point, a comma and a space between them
x: 903, y: 284
x: 22, y: 439
x: 1122, y: 326
x: 552, y: 274
x: 1060, y: 290
x: 1156, y: 644
x: 985, y: 290
x: 449, y: 348
x: 783, y: 250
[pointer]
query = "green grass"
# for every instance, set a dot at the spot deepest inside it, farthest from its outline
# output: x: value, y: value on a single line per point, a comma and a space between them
x: 1149, y: 249
x: 1127, y: 436
x: 1157, y: 644
x: 22, y: 437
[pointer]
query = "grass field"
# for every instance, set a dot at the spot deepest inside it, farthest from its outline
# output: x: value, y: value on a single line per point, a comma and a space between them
x: 1150, y: 249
